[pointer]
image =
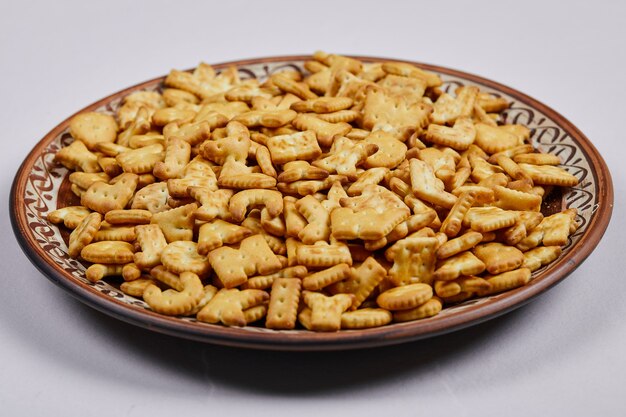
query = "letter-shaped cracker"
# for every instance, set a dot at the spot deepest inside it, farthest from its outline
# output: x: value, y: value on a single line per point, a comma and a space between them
x: 253, y: 222
x: 228, y: 305
x: 509, y: 199
x: 498, y: 257
x: 462, y: 243
x: 192, y: 133
x: 267, y: 118
x: 152, y: 242
x: 197, y: 173
x: 326, y: 277
x: 176, y: 303
x: 527, y: 221
x: 77, y: 156
x: 488, y: 219
x: 430, y: 308
x: 176, y: 224
x: 413, y: 260
x: 301, y: 146
x: 103, y: 197
x: 325, y: 132
x: 428, y: 187
x: 366, y: 224
x: 262, y: 282
x: 152, y: 197
x: 549, y: 175
x: 459, y: 137
x: 326, y: 311
x: 108, y: 252
x: 506, y: 281
x: 391, y: 151
x: 203, y: 82
x: 177, y: 156
x: 288, y: 85
x: 318, y: 218
x: 322, y: 254
x: 540, y: 256
x: 455, y: 266
x: 394, y: 114
x: 70, y: 216
x: 405, y: 69
x: 301, y: 170
x: 213, y: 204
x: 284, y: 301
x: 494, y: 139
x: 347, y: 157
x: 240, y: 202
x: 361, y: 282
x: 451, y: 226
x: 234, y: 266
x: 216, y: 233
x: 128, y: 216
x: 84, y: 234
x: 234, y: 146
x: 141, y: 160
x: 365, y: 318
x: 98, y: 271
x: 85, y: 179
x: 553, y: 230
x: 183, y: 256
x: 405, y: 296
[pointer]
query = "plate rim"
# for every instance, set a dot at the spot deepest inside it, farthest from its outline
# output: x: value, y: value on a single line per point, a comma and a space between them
x: 345, y: 339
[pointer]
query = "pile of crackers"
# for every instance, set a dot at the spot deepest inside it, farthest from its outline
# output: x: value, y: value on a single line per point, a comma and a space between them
x: 358, y: 195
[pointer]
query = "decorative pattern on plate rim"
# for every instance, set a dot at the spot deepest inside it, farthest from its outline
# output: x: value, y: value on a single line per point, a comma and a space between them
x: 40, y: 194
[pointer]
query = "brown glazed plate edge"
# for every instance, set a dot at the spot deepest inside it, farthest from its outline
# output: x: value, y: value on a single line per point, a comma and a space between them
x: 346, y: 339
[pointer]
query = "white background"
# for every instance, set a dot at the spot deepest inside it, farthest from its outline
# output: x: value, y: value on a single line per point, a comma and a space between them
x: 562, y: 355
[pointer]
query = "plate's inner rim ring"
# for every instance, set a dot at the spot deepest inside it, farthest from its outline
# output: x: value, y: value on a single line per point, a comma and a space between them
x: 156, y: 80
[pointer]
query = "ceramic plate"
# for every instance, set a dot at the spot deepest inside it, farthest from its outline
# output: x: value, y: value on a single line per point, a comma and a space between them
x: 41, y: 186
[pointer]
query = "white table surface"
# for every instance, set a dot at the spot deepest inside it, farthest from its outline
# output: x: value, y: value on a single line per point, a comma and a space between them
x: 564, y: 354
